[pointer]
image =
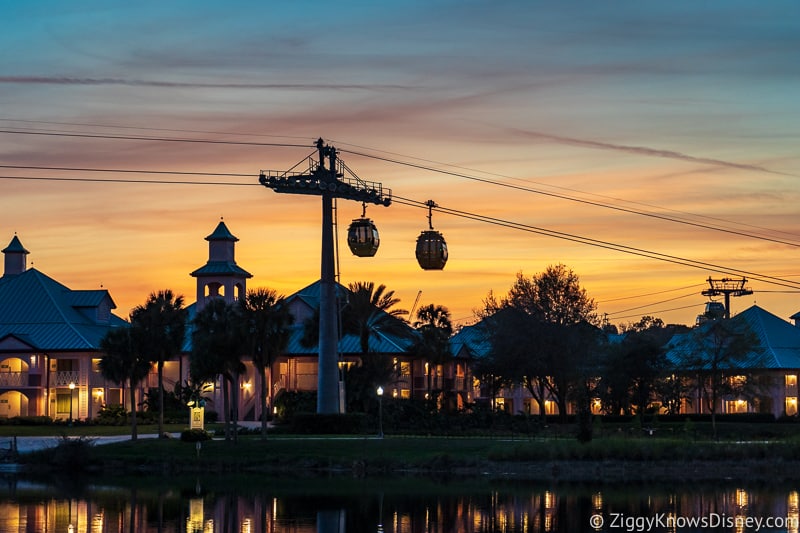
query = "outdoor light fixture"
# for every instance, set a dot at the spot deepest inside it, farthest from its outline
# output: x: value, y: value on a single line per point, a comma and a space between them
x: 379, y: 391
x: 71, y: 395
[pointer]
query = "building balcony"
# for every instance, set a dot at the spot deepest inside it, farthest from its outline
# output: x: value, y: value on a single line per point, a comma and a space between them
x: 13, y: 379
x: 64, y: 378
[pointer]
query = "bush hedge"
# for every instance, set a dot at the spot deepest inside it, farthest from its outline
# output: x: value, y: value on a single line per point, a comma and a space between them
x: 195, y: 435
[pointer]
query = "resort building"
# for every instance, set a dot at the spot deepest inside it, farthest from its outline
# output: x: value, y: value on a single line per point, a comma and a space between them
x: 50, y: 343
x: 50, y: 349
x: 763, y: 380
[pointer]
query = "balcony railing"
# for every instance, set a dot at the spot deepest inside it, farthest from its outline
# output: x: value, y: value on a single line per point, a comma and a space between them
x: 63, y: 379
x: 13, y: 379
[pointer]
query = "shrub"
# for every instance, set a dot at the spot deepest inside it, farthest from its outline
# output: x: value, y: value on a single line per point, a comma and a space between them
x: 32, y: 420
x: 195, y: 435
x: 287, y: 403
x: 70, y: 454
x: 112, y: 415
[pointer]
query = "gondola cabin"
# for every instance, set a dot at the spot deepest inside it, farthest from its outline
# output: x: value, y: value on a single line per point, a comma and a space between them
x: 431, y: 250
x: 363, y: 238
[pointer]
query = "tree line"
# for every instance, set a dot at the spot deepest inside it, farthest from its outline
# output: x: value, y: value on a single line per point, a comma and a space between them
x: 544, y: 335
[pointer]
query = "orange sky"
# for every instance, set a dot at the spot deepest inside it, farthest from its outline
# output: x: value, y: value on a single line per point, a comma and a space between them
x: 637, y: 109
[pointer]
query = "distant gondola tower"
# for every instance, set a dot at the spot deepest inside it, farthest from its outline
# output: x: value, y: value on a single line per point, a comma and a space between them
x: 221, y: 277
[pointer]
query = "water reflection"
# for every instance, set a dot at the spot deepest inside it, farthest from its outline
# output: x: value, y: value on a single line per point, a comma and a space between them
x: 253, y: 504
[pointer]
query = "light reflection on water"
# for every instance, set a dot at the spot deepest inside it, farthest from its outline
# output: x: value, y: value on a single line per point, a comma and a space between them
x: 250, y: 505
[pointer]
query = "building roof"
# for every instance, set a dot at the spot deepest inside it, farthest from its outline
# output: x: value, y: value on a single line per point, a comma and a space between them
x: 221, y: 268
x: 379, y: 342
x: 222, y: 233
x: 778, y: 341
x: 47, y: 315
x: 15, y: 246
x: 473, y: 340
x: 310, y: 294
x: 308, y: 298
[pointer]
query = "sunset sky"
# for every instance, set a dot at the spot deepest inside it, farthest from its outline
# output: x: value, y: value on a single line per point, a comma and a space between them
x: 671, y: 128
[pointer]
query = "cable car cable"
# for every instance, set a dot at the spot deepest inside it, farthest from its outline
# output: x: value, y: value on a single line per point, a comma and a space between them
x: 612, y: 246
x: 427, y: 168
x: 572, y: 199
x: 532, y: 229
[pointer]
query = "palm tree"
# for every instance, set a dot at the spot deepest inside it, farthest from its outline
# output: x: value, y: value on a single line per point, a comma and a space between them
x: 369, y: 311
x: 218, y: 342
x: 268, y: 320
x: 123, y: 362
x: 159, y: 327
x: 433, y: 344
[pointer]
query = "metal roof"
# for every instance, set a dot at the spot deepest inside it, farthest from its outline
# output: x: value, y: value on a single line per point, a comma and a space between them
x: 91, y: 298
x: 778, y: 341
x: 15, y: 246
x: 473, y: 339
x: 379, y: 341
x: 221, y: 268
x: 222, y: 233
x: 42, y: 311
x: 349, y: 344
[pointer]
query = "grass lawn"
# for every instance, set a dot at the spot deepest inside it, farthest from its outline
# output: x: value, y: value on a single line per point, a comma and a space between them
x: 328, y: 449
x: 301, y: 455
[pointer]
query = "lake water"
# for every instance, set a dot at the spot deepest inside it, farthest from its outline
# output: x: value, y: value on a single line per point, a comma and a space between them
x: 237, y: 504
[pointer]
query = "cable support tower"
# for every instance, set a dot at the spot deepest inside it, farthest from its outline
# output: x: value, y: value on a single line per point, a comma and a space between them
x: 726, y: 287
x: 331, y: 184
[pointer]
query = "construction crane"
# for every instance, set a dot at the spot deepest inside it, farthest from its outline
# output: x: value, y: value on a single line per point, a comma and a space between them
x: 727, y: 287
x: 414, y: 307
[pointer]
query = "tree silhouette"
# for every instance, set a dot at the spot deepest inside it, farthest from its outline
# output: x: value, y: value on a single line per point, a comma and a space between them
x: 218, y: 342
x: 536, y: 334
x: 158, y: 327
x: 370, y: 309
x: 433, y: 343
x: 720, y: 354
x: 267, y: 322
x: 123, y: 362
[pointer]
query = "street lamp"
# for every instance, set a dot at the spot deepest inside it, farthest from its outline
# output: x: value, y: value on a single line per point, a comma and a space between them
x: 71, y: 395
x: 379, y: 391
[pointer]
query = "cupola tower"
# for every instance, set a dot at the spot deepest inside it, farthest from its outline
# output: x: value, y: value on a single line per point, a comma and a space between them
x: 221, y: 277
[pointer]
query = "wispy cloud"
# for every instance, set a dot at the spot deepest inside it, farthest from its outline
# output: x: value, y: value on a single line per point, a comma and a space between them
x: 645, y: 151
x: 59, y: 80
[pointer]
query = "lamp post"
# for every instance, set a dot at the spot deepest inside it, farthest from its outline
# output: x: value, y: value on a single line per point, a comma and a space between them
x: 71, y: 396
x: 379, y: 391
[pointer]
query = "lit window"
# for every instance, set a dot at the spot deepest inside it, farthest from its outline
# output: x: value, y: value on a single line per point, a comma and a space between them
x: 737, y: 381
x: 791, y: 405
x: 736, y: 406
x: 791, y: 380
x: 597, y: 406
